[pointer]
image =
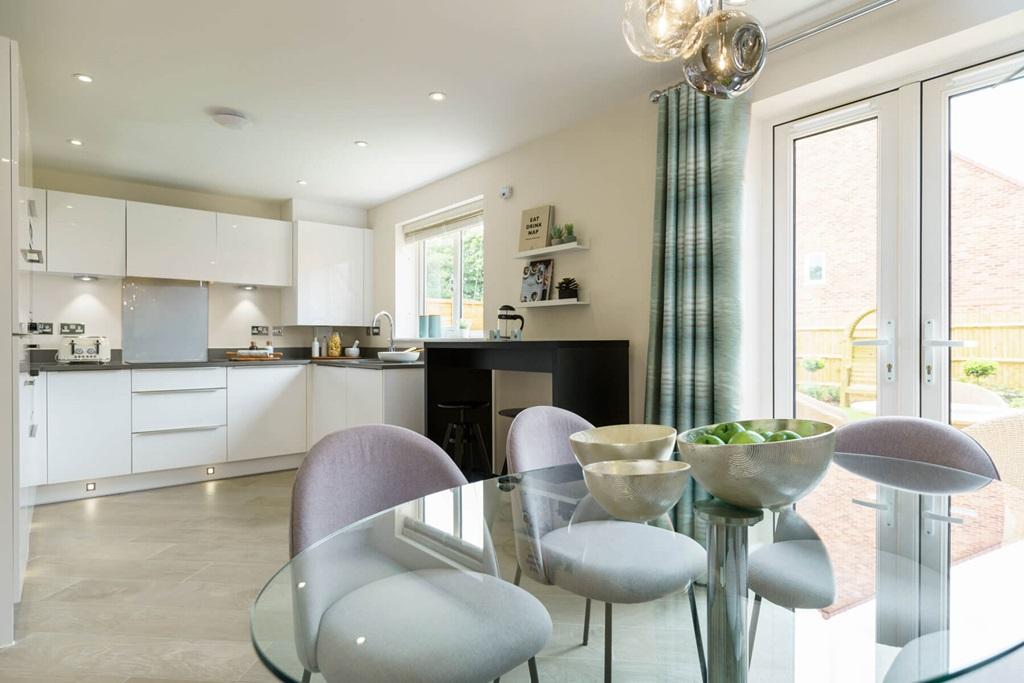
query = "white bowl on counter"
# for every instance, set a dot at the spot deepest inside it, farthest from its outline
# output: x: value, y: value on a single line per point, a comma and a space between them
x: 352, y: 352
x: 399, y: 356
x: 623, y: 442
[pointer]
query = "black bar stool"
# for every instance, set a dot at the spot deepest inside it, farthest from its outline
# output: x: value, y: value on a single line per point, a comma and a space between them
x: 464, y: 440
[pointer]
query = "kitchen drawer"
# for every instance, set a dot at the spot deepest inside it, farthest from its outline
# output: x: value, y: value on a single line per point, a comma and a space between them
x: 173, y: 379
x: 160, y: 410
x: 183, y: 448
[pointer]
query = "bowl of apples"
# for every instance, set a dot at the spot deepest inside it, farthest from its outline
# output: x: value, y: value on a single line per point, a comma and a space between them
x: 759, y: 463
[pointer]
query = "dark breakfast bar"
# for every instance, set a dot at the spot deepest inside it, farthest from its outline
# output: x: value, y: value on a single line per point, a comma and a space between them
x: 588, y: 377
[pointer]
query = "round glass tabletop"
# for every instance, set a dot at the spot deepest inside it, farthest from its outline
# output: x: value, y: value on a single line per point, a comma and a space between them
x: 894, y: 571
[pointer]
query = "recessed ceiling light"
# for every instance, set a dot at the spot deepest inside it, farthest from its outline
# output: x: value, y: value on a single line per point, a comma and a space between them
x: 248, y: 288
x: 83, y: 78
x: 437, y: 96
x: 361, y: 143
x: 301, y: 182
x: 75, y: 141
x: 86, y: 278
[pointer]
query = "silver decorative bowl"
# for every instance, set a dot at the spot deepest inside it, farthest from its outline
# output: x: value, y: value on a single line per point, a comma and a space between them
x: 762, y: 475
x: 623, y: 442
x: 636, y: 490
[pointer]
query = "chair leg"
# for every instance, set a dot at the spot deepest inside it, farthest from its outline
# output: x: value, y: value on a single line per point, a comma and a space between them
x: 586, y: 623
x: 447, y: 440
x: 519, y: 575
x: 753, y: 626
x: 607, y: 642
x: 696, y: 635
x: 306, y: 675
x: 534, y: 676
x: 460, y: 453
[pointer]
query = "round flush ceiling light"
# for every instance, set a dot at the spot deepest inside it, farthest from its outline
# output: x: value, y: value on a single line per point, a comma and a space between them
x: 75, y: 142
x: 300, y: 182
x: 230, y: 119
x: 361, y: 143
x: 437, y: 96
x: 82, y: 78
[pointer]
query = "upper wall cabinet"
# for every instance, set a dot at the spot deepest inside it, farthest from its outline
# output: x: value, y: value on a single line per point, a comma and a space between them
x: 171, y: 242
x: 332, y: 267
x: 254, y: 251
x: 84, y: 234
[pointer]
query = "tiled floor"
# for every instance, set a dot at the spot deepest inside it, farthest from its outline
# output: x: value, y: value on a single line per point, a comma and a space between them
x: 150, y: 587
x: 154, y: 587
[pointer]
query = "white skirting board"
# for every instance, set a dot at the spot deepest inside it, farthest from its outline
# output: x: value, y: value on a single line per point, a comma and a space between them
x: 57, y: 493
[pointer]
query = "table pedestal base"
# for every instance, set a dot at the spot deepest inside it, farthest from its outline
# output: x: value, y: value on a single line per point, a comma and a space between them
x: 727, y: 589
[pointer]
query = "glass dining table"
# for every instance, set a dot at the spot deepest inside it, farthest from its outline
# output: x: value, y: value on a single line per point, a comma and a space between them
x: 920, y: 567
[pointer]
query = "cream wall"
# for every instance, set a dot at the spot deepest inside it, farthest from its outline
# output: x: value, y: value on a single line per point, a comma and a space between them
x: 600, y: 176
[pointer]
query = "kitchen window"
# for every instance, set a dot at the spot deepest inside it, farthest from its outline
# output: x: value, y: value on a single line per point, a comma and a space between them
x: 449, y: 263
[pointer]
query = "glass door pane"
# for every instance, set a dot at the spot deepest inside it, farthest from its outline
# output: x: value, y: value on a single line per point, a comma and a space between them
x: 986, y: 267
x: 835, y: 181
x: 973, y: 201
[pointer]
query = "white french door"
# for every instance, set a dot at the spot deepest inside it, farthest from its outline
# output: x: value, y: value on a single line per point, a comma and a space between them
x: 899, y: 253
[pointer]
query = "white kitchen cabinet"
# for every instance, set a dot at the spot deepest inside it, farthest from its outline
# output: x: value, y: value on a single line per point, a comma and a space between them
x: 89, y: 424
x: 155, y: 411
x: 349, y: 396
x: 185, y: 447
x: 84, y: 234
x: 254, y: 251
x: 266, y: 411
x: 327, y: 408
x: 171, y: 242
x: 32, y: 428
x: 31, y: 229
x: 331, y: 267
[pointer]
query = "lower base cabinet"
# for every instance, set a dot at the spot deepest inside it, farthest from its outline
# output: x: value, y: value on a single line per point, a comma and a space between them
x: 185, y: 447
x: 349, y: 397
x: 89, y: 425
x: 266, y: 411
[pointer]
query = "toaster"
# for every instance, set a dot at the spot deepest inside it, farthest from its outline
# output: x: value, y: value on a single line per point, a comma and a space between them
x: 82, y: 349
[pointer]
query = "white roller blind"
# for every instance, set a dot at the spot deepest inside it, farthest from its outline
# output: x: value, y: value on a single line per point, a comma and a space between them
x: 439, y: 223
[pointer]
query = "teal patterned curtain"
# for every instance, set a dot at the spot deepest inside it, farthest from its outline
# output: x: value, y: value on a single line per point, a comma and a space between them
x: 694, y: 345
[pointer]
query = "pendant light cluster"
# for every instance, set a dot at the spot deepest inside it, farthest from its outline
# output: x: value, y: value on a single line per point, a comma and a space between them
x: 722, y: 50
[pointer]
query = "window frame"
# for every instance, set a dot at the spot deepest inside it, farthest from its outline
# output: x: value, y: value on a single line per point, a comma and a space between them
x: 457, y: 284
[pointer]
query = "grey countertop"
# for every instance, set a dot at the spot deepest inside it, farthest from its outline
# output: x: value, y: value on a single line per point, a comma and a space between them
x: 367, y: 363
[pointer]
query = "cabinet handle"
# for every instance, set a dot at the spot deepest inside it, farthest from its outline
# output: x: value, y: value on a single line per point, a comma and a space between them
x: 179, y: 391
x: 207, y: 428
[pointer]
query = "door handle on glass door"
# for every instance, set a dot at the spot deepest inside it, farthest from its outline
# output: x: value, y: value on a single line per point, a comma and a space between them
x: 887, y: 343
x: 930, y: 345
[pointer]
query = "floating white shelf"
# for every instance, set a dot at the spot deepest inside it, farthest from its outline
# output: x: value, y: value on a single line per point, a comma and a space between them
x: 582, y: 301
x: 556, y: 249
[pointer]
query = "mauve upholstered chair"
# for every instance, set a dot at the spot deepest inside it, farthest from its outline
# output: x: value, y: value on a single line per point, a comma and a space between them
x: 601, y: 558
x: 916, y: 439
x: 771, y: 575
x: 454, y: 625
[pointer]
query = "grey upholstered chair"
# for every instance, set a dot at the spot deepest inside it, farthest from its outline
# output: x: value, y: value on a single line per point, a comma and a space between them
x: 625, y: 562
x: 916, y: 439
x: 352, y: 586
x: 771, y: 575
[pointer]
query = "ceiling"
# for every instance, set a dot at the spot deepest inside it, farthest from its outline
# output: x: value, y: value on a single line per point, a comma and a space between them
x: 314, y: 76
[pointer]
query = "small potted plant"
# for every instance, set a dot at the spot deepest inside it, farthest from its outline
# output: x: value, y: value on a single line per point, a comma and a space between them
x: 556, y: 234
x: 464, y: 325
x: 568, y: 288
x: 570, y: 233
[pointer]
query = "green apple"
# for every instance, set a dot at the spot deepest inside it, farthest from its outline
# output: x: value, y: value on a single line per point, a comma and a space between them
x: 767, y: 434
x: 784, y: 435
x: 709, y: 440
x: 727, y: 430
x: 746, y: 437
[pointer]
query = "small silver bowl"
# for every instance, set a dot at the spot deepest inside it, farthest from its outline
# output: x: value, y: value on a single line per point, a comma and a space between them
x: 762, y: 475
x: 623, y: 442
x: 636, y: 490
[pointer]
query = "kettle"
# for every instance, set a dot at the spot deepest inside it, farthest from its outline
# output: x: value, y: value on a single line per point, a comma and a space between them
x: 505, y: 314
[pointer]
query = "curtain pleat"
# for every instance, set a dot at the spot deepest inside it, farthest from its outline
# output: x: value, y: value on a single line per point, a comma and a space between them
x: 694, y: 343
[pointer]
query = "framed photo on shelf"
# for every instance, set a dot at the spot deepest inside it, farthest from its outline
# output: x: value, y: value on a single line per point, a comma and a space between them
x: 537, y: 280
x: 535, y: 228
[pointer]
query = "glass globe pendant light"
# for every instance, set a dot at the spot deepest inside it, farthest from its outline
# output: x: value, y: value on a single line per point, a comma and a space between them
x: 724, y: 53
x: 655, y: 30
